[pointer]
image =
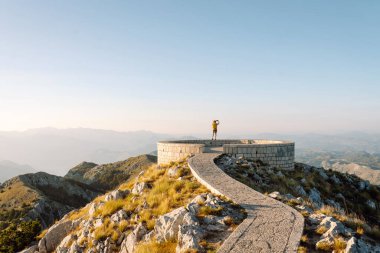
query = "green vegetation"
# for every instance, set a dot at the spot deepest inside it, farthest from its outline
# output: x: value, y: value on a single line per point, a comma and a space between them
x: 17, y: 236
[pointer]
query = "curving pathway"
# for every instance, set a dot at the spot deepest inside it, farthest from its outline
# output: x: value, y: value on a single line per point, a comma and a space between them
x: 270, y: 226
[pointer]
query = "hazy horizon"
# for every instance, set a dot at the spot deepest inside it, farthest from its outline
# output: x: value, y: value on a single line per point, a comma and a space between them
x: 172, y: 67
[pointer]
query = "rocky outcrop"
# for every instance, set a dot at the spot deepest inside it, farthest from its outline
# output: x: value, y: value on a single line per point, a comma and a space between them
x: 45, y: 197
x: 108, y: 176
x: 55, y: 235
x: 167, y: 225
x: 129, y: 244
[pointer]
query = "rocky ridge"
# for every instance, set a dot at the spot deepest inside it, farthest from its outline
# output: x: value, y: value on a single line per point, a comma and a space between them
x: 163, y: 210
x: 341, y: 211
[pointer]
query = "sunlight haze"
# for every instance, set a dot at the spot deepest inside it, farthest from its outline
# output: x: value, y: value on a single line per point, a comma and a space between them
x: 173, y: 66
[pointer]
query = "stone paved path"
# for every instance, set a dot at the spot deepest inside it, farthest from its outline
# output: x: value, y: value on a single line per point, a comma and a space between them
x: 270, y: 226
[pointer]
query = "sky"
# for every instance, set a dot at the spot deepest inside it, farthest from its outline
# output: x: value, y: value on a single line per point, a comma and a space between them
x: 173, y: 66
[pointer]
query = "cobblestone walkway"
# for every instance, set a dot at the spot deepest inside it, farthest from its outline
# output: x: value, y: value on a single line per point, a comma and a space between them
x: 270, y: 226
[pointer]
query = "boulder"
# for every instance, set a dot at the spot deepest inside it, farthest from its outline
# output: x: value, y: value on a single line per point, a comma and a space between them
x: 322, y: 173
x: 116, y: 194
x: 93, y: 207
x: 356, y: 246
x: 334, y: 204
x: 363, y: 185
x: 212, y: 201
x: 189, y: 234
x: 55, y: 235
x: 316, y: 218
x: 119, y: 216
x: 279, y: 174
x: 128, y: 245
x: 315, y: 197
x: 300, y: 190
x: 275, y: 195
x: 173, y: 171
x: 304, y: 208
x: 334, y: 228
x: 371, y: 204
x: 167, y: 225
x: 139, y: 187
x: 188, y: 239
x: 31, y: 249
x: 335, y: 179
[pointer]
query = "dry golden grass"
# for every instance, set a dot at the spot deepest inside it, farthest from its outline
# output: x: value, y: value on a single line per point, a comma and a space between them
x: 301, y: 249
x: 327, y: 210
x: 325, y: 246
x: 123, y: 225
x: 17, y: 193
x: 110, y: 207
x: 206, y: 210
x: 80, y: 213
x: 42, y: 234
x: 339, y: 245
x: 304, y: 239
x: 321, y: 230
x: 360, y: 230
x: 107, y: 229
x: 155, y: 247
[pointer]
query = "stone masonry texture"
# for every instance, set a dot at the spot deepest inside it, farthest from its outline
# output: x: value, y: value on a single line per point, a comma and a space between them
x: 270, y: 226
x: 276, y: 153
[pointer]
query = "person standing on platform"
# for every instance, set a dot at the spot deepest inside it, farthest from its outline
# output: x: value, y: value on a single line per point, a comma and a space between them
x: 215, y: 124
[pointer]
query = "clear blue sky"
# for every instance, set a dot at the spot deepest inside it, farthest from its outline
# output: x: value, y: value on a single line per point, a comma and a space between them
x: 173, y: 66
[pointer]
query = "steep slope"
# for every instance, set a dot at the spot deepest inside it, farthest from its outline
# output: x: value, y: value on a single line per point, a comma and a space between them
x: 342, y: 211
x: 108, y: 176
x: 163, y: 210
x: 9, y: 169
x: 41, y: 196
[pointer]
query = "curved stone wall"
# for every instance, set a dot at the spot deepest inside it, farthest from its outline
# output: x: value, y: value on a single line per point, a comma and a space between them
x: 274, y: 152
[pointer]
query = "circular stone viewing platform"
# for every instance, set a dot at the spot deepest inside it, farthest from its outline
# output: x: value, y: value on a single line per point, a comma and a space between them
x: 274, y: 152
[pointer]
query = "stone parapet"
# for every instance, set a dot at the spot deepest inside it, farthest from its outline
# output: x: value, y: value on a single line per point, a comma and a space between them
x: 274, y: 152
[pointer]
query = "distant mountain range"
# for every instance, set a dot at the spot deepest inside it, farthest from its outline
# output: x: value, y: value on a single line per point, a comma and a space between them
x: 55, y: 150
x: 9, y: 169
x: 360, y: 163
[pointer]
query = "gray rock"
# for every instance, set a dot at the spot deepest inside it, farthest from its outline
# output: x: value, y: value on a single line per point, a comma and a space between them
x: 303, y: 181
x: 322, y: 173
x: 31, y: 249
x: 334, y: 204
x: 335, y: 179
x: 334, y: 228
x: 371, y: 204
x: 300, y: 190
x: 119, y: 216
x: 275, y: 195
x: 93, y: 207
x: 173, y: 171
x: 316, y: 218
x: 363, y: 185
x: 315, y: 197
x: 304, y: 208
x: 356, y: 246
x: 279, y: 174
x: 189, y: 234
x: 116, y: 194
x: 139, y: 187
x: 128, y: 245
x: 167, y: 225
x: 55, y: 234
